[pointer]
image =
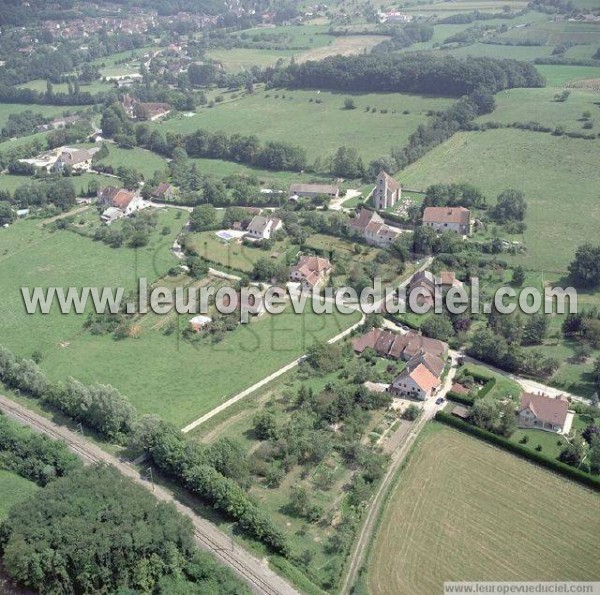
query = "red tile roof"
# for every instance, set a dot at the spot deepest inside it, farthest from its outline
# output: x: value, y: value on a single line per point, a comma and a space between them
x: 546, y: 408
x: 458, y: 215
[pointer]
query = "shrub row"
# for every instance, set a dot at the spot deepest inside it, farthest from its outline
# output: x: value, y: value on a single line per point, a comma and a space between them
x: 33, y: 456
x: 489, y: 385
x: 186, y: 462
x: 101, y: 407
x: 458, y: 398
x: 531, y: 455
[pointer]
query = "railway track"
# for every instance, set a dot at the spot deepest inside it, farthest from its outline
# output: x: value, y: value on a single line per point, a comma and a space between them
x: 258, y: 576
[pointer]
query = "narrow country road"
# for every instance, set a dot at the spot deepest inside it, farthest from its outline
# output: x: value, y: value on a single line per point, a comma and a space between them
x: 208, y: 537
x: 361, y: 544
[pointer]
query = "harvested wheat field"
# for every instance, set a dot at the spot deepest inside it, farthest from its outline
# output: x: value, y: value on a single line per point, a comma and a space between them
x: 464, y: 510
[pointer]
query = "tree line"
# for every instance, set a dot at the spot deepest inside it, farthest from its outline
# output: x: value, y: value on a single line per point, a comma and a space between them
x: 408, y: 74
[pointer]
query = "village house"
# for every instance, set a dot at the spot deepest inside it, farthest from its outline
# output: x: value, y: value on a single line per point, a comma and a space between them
x: 136, y: 110
x: 311, y: 271
x: 387, y: 191
x: 372, y: 228
x: 312, y: 190
x: 393, y: 346
x: 542, y: 412
x: 165, y: 191
x: 118, y: 198
x: 77, y: 159
x: 415, y: 382
x: 456, y: 219
x: 425, y: 282
x: 261, y: 227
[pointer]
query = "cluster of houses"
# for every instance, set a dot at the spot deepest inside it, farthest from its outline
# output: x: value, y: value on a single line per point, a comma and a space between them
x: 425, y: 360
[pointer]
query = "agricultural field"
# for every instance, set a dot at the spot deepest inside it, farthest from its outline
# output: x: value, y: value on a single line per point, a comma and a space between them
x: 446, y: 8
x: 541, y: 165
x: 13, y: 489
x: 464, y: 510
x: 317, y: 121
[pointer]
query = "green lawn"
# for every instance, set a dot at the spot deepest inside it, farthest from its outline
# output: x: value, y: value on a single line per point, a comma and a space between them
x: 142, y: 160
x: 558, y: 176
x: 234, y: 255
x: 13, y: 489
x: 320, y: 128
x: 181, y: 381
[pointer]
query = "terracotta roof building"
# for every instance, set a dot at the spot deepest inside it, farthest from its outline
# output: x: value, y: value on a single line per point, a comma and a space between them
x: 311, y: 271
x: 455, y: 219
x: 545, y: 413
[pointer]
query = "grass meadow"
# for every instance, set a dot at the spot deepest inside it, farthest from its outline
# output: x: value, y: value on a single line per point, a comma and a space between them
x: 160, y: 374
x: 462, y: 510
x: 81, y: 182
x: 13, y: 489
x: 320, y: 128
x: 142, y: 160
x: 558, y: 176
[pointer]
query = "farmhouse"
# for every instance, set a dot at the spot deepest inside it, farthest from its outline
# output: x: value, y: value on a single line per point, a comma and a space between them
x: 261, y: 227
x: 165, y: 191
x: 456, y: 219
x: 415, y: 382
x: 312, y: 190
x: 426, y: 283
x: 77, y: 159
x: 124, y: 200
x: 394, y: 346
x: 372, y: 228
x: 387, y: 191
x: 311, y: 271
x: 545, y: 413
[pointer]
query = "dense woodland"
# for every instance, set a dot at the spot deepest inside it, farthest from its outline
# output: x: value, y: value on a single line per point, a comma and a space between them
x: 418, y: 73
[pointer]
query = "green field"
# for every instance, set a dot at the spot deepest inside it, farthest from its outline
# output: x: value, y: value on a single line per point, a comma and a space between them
x: 235, y: 255
x: 13, y: 489
x: 11, y: 183
x: 6, y: 109
x: 526, y: 105
x: 320, y: 128
x: 41, y: 86
x: 159, y: 373
x: 558, y: 176
x: 142, y: 160
x: 560, y: 75
x: 463, y: 510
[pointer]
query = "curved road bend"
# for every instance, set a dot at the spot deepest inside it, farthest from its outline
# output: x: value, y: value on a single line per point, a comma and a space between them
x: 208, y: 537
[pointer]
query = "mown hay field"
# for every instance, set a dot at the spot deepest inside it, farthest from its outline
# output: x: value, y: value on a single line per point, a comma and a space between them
x: 464, y: 510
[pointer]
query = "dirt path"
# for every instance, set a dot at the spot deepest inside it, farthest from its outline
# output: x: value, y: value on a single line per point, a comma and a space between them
x: 208, y: 537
